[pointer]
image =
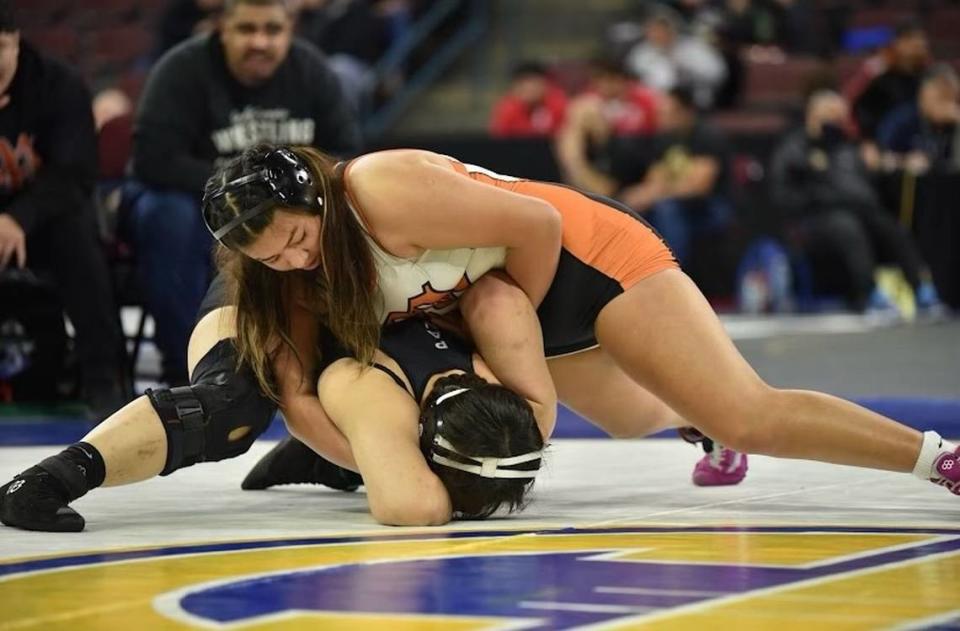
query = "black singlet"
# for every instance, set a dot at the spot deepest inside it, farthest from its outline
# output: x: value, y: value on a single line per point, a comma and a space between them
x: 422, y: 350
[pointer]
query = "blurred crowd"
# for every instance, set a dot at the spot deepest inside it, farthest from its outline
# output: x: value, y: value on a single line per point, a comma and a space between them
x: 100, y: 188
x: 101, y: 194
x: 652, y: 125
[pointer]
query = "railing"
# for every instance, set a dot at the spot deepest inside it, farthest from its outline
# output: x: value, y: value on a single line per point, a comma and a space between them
x: 378, y: 119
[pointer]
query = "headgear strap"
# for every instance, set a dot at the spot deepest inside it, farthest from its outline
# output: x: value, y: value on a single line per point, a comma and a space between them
x: 484, y: 466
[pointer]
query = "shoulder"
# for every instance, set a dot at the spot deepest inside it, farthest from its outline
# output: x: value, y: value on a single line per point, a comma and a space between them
x: 307, y: 59
x: 302, y: 49
x: 386, y: 166
x: 347, y: 379
x: 190, y: 50
x: 186, y: 58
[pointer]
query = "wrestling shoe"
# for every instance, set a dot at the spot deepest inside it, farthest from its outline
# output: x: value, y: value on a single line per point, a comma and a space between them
x: 946, y: 471
x: 35, y: 500
x: 720, y: 466
x: 292, y: 462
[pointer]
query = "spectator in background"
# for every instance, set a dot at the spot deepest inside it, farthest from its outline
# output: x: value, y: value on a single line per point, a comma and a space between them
x: 821, y: 184
x: 48, y: 165
x: 615, y: 106
x: 533, y: 105
x: 924, y: 135
x: 205, y: 101
x: 183, y: 19
x: 683, y: 191
x: 889, y: 79
x: 667, y: 58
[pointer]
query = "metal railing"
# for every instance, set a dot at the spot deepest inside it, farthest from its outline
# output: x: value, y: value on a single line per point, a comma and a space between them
x: 377, y: 119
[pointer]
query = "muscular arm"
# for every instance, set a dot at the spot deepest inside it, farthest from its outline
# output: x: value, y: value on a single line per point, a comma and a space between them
x: 416, y: 200
x: 380, y: 421
x: 305, y: 416
x: 507, y: 335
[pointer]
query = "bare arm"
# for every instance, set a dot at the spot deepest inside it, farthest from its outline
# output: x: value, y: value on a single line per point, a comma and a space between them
x: 507, y: 334
x: 584, y: 122
x: 380, y: 420
x: 305, y: 416
x: 416, y: 200
x: 697, y: 181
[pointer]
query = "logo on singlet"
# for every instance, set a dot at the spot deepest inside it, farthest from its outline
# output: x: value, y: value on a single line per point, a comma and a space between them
x: 430, y: 299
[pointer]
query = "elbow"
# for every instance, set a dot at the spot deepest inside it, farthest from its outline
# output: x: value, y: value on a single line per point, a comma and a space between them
x: 421, y: 511
x: 552, y: 222
x: 489, y: 298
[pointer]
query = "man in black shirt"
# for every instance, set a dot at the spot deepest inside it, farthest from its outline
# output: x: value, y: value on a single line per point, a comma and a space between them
x: 682, y: 192
x: 48, y: 165
x: 205, y: 101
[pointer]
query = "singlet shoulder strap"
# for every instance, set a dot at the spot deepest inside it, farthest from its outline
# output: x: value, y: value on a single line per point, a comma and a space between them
x: 396, y: 378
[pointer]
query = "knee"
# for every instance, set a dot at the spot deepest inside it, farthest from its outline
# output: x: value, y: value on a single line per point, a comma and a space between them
x: 751, y: 426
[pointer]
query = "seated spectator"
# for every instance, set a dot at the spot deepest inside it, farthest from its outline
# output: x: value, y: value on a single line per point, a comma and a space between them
x: 924, y: 135
x: 822, y: 186
x: 533, y: 105
x: 206, y: 100
x: 888, y: 79
x: 667, y: 58
x: 683, y: 191
x: 47, y: 223
x: 614, y: 106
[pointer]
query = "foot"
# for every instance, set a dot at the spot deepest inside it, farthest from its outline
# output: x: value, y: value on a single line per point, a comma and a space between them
x: 720, y: 466
x: 947, y: 471
x: 292, y: 462
x: 35, y: 500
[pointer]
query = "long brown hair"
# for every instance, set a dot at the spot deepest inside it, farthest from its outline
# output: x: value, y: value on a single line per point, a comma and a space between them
x: 341, y: 293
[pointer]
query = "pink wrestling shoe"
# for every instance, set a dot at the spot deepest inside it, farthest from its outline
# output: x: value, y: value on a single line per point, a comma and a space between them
x: 947, y: 470
x: 721, y: 466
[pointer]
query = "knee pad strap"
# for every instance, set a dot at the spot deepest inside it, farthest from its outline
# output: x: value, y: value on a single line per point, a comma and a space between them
x: 185, y: 424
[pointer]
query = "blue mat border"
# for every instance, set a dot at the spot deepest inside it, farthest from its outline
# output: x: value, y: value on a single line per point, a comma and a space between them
x: 939, y: 415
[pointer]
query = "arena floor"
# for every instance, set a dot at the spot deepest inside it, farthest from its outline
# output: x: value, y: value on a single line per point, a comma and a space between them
x: 616, y: 536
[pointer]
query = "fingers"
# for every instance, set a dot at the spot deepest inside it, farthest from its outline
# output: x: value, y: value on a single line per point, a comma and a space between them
x: 13, y: 250
x: 6, y: 251
x: 21, y: 251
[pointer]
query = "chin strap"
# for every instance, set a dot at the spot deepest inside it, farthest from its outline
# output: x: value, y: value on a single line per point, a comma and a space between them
x: 486, y: 466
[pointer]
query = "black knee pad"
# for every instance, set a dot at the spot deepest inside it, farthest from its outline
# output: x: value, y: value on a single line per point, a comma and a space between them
x: 199, y: 419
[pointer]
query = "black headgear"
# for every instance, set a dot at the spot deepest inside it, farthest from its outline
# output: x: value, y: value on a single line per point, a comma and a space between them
x: 284, y: 180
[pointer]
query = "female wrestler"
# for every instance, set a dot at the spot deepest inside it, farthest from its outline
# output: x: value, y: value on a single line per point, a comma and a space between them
x: 479, y: 439
x: 396, y: 232
x: 481, y: 446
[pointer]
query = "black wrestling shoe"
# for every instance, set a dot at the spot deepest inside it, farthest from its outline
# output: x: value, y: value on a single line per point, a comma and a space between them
x: 292, y: 462
x: 35, y: 500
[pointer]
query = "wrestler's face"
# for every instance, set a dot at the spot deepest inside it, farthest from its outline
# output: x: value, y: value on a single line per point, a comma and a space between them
x: 290, y: 242
x: 256, y: 40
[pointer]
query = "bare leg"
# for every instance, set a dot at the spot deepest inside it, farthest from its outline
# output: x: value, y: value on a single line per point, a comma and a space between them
x: 667, y: 338
x: 132, y: 440
x: 593, y: 385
